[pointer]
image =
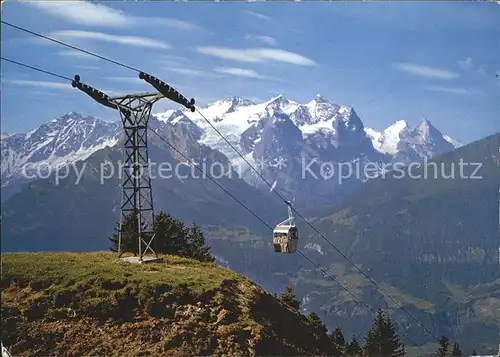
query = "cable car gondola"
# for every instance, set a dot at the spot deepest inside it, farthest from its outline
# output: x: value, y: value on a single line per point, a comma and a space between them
x: 286, y: 234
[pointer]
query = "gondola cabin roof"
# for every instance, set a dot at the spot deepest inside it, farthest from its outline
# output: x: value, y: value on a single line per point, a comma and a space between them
x: 283, y: 229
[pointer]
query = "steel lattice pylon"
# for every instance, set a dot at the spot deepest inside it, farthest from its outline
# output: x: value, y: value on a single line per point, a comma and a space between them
x: 137, y: 193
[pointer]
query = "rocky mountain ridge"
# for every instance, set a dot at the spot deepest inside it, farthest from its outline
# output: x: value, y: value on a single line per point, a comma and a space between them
x: 290, y: 144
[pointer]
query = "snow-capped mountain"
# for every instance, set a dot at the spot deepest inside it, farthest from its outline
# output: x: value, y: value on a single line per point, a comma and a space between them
x: 408, y: 144
x: 455, y: 143
x: 287, y: 141
x: 293, y: 145
x: 70, y: 138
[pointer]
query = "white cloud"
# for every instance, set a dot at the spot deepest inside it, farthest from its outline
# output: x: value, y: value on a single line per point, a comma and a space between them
x: 240, y: 72
x: 82, y: 12
x: 55, y: 85
x: 124, y: 40
x: 76, y: 54
x: 265, y: 39
x: 257, y: 55
x: 174, y: 58
x: 425, y: 71
x: 466, y: 64
x: 89, y: 14
x: 189, y: 72
x: 43, y: 84
x: 169, y: 22
x: 259, y: 15
x: 133, y: 80
x: 451, y: 90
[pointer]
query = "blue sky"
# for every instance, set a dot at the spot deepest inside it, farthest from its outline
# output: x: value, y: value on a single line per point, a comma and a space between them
x: 388, y: 60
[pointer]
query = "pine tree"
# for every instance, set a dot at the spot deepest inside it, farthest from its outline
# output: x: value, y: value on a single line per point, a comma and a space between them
x: 381, y: 339
x: 354, y: 349
x: 170, y: 235
x: 288, y: 297
x: 443, y: 346
x: 196, y: 245
x: 338, y: 341
x: 130, y: 236
x: 317, y: 323
x: 456, y: 350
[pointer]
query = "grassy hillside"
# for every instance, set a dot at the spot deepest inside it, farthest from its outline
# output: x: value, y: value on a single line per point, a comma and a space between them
x: 69, y: 304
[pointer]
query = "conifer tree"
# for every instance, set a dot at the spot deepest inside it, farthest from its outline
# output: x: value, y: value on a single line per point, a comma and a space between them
x: 354, y: 349
x: 443, y: 346
x: 317, y: 323
x: 456, y: 350
x: 381, y: 339
x: 338, y: 341
x: 288, y: 297
x: 171, y: 237
x: 130, y: 237
x: 196, y: 245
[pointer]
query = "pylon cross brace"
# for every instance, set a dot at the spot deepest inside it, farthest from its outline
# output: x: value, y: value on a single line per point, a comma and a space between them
x: 137, y: 193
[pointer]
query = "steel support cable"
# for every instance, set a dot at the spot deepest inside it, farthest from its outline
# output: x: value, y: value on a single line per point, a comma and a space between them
x: 232, y: 146
x: 76, y: 48
x: 271, y: 229
x: 317, y: 231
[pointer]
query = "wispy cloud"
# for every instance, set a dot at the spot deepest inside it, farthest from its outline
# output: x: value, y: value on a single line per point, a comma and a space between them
x: 42, y: 84
x: 169, y: 22
x: 100, y: 36
x: 256, y: 55
x: 48, y: 93
x: 452, y: 90
x: 426, y: 71
x: 264, y: 39
x: 258, y: 15
x: 54, y: 85
x: 89, y: 14
x: 468, y: 65
x: 132, y: 80
x: 82, y: 13
x: 174, y: 58
x: 76, y: 54
x: 170, y: 61
x: 240, y: 72
x: 187, y: 71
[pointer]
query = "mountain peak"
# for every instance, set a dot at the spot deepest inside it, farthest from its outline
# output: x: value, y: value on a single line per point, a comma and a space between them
x: 278, y: 101
x: 277, y: 98
x: 235, y: 100
x: 387, y: 141
x: 71, y: 115
x: 319, y: 98
x: 425, y: 129
x: 397, y: 126
x: 425, y: 123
